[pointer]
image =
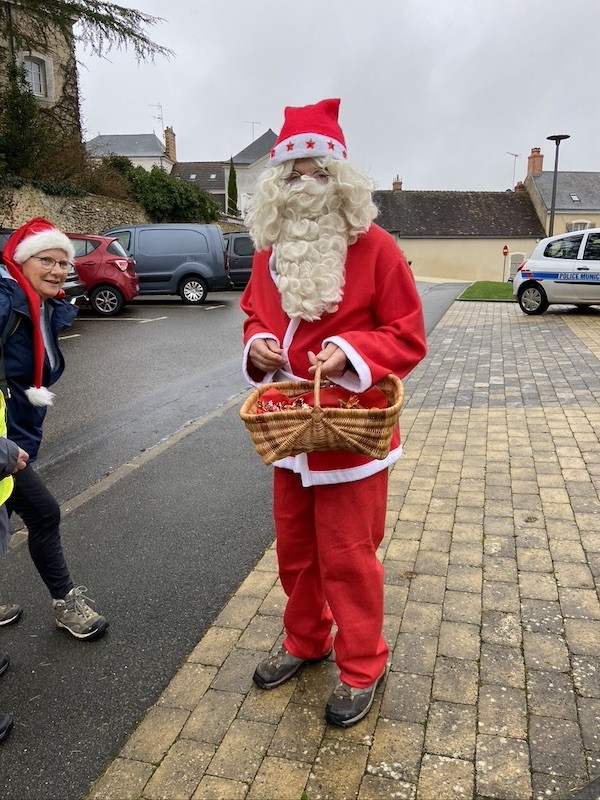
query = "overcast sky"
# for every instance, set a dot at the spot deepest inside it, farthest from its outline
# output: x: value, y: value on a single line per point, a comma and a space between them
x: 438, y: 92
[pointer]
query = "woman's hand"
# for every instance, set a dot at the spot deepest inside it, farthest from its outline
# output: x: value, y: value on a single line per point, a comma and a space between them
x: 22, y: 460
x: 266, y: 356
x: 333, y: 359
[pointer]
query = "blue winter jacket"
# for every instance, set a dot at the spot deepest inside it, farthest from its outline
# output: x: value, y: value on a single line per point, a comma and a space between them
x: 24, y: 420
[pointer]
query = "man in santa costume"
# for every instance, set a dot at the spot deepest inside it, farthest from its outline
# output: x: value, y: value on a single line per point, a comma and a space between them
x: 327, y: 285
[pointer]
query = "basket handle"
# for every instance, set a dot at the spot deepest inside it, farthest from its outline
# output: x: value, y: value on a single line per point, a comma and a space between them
x: 317, y: 392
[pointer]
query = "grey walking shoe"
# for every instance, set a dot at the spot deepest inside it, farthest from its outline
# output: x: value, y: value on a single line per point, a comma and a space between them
x: 347, y: 705
x: 280, y: 667
x: 75, y: 615
x: 10, y: 612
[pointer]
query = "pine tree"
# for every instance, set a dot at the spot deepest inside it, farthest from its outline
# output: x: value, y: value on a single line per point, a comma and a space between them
x: 100, y: 25
x: 232, y: 194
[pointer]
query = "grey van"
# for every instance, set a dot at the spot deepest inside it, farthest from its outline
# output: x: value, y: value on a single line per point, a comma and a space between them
x: 177, y: 258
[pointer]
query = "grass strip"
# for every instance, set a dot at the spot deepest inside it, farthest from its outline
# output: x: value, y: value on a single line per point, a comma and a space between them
x: 491, y: 291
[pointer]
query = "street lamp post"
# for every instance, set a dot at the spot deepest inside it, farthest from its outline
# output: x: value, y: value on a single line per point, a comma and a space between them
x: 557, y: 137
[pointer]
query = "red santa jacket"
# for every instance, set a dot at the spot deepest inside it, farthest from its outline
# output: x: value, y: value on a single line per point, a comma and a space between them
x: 379, y: 326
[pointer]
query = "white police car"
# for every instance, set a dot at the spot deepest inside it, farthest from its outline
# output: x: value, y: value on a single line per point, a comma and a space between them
x: 561, y: 269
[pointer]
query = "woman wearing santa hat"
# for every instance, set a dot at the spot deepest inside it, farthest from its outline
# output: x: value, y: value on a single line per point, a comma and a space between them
x: 327, y: 285
x: 37, y: 258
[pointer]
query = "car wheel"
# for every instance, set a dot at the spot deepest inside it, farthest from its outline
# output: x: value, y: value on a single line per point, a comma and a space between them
x: 533, y: 299
x: 193, y: 290
x: 106, y: 301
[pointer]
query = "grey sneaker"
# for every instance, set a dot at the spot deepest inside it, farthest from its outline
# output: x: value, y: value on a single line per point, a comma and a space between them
x: 75, y: 615
x: 10, y: 612
x: 280, y: 667
x: 347, y: 705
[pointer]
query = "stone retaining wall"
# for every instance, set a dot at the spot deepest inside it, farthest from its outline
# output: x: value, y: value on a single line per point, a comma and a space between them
x: 90, y: 214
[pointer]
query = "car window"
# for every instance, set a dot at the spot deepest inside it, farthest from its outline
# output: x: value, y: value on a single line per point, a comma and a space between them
x: 80, y: 247
x: 124, y: 239
x: 117, y: 250
x: 83, y: 247
x: 243, y: 246
x: 592, y: 247
x: 172, y: 243
x: 564, y: 248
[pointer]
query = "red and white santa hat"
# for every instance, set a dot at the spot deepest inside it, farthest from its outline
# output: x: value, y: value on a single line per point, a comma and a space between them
x: 310, y: 132
x: 30, y: 239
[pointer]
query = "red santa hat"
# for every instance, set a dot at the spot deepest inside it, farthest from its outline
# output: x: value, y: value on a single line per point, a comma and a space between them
x: 310, y: 132
x: 34, y: 237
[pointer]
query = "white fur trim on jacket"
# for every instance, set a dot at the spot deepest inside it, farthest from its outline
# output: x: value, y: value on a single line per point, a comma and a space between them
x: 40, y: 396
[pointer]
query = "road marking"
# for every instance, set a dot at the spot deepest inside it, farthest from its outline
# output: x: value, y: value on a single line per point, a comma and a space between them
x: 119, y: 319
x: 70, y: 336
x: 153, y: 319
x: 101, y: 486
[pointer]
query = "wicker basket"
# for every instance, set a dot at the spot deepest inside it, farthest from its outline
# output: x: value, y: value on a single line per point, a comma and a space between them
x: 277, y: 434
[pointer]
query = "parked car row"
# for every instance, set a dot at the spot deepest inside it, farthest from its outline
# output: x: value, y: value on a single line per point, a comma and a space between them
x: 176, y: 259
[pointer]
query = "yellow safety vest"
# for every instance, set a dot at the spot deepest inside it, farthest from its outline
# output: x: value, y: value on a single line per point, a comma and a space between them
x: 6, y: 484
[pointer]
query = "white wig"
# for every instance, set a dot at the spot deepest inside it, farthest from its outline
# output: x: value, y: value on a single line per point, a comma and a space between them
x: 353, y: 190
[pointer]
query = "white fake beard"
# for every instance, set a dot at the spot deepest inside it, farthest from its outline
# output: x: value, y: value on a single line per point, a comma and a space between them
x: 310, y: 252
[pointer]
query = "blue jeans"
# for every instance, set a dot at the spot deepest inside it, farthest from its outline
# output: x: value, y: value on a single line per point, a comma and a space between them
x: 40, y: 512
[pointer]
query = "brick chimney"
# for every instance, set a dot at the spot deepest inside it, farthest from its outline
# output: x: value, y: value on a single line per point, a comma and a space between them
x: 534, y: 162
x: 170, y: 149
x: 397, y: 184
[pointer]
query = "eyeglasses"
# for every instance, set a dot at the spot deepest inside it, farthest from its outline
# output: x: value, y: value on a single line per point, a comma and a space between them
x: 319, y: 175
x: 49, y: 263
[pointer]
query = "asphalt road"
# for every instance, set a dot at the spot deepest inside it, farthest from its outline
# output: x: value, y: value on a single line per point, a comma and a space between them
x: 162, y: 544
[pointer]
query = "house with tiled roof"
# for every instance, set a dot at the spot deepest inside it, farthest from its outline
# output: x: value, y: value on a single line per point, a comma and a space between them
x: 207, y: 175
x: 466, y: 236
x: 213, y: 176
x: 142, y: 149
x: 577, y: 202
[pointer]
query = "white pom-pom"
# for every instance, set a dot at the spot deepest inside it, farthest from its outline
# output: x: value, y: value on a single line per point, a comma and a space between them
x: 40, y: 396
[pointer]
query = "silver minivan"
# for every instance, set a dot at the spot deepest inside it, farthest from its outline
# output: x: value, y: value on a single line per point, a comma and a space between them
x: 561, y: 269
x: 184, y: 259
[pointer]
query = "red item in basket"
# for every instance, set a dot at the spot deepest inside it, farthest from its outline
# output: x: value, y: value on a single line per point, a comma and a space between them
x: 330, y: 397
x: 274, y: 400
x: 336, y: 397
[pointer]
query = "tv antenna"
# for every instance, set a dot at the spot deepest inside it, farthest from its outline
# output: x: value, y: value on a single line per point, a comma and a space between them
x: 248, y: 122
x: 159, y: 116
x: 515, y: 156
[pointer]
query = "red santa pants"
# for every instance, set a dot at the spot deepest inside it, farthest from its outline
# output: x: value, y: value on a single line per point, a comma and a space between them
x: 326, y: 538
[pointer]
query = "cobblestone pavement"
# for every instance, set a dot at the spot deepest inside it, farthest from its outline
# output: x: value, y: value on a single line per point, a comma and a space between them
x: 492, y: 564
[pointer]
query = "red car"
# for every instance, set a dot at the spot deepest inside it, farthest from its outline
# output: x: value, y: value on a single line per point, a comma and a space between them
x: 107, y: 272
